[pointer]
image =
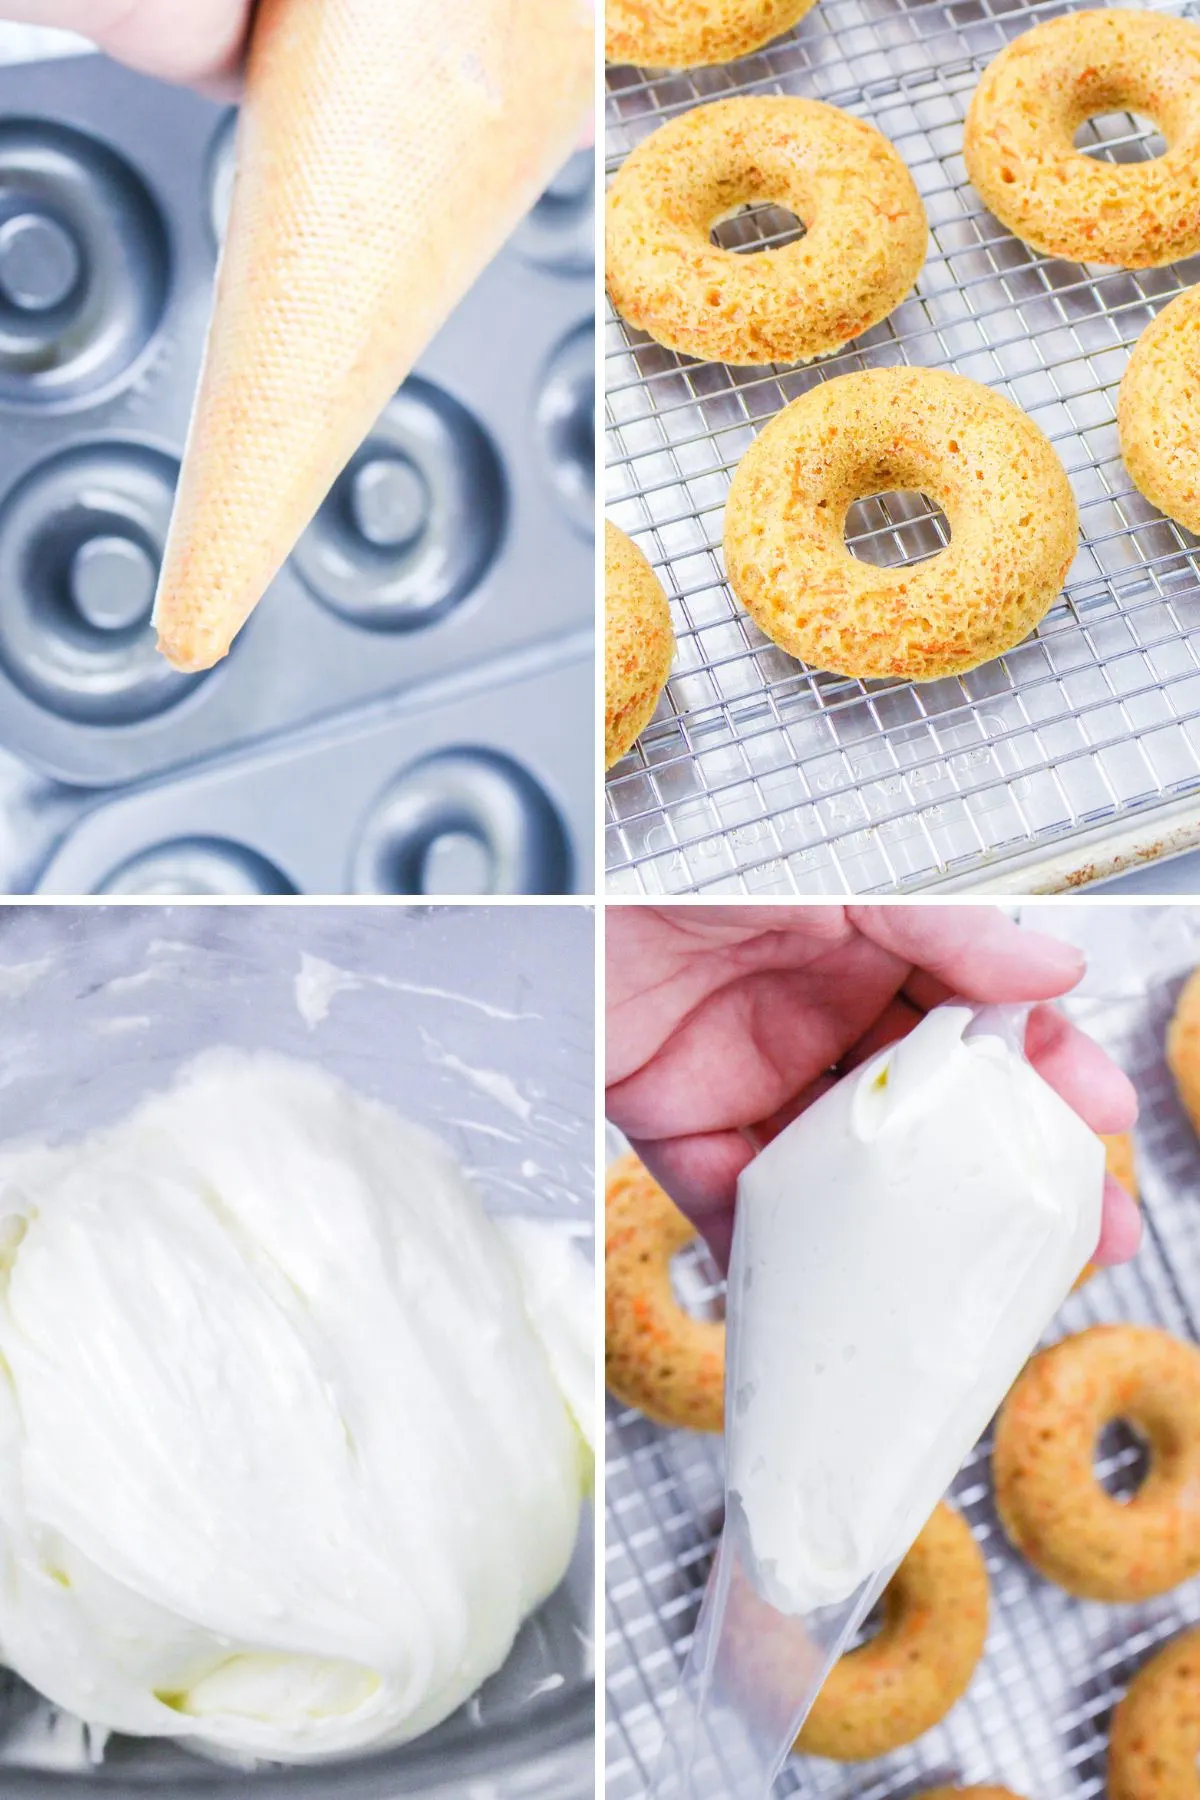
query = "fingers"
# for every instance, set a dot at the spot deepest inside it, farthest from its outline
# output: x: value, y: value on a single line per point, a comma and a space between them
x: 1121, y: 1225
x: 700, y: 1174
x: 974, y: 951
x: 1080, y: 1071
x: 194, y: 41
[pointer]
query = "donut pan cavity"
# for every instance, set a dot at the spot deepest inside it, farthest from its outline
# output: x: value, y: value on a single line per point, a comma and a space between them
x: 484, y: 786
x: 760, y: 775
x: 1036, y: 1716
x: 460, y: 533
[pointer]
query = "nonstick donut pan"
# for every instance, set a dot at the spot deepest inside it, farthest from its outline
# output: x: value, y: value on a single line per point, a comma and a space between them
x: 461, y: 532
x: 435, y: 796
x: 1075, y: 755
x: 1037, y: 1713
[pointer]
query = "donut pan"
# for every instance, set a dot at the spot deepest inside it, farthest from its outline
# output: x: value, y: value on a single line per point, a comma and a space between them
x: 1036, y: 1715
x: 435, y: 795
x: 1076, y: 754
x: 460, y: 532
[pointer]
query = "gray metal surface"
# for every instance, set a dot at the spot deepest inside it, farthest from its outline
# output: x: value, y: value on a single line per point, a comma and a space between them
x: 459, y: 536
x: 1036, y: 1715
x: 435, y: 795
x: 478, y: 1022
x: 761, y: 776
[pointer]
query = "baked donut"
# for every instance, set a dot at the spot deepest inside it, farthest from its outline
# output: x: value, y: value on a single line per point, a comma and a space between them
x: 1012, y: 516
x: 909, y: 1675
x: 1158, y: 410
x: 638, y: 643
x: 1154, y: 1743
x: 1047, y: 1496
x: 1118, y: 1160
x: 1183, y: 1047
x: 863, y: 246
x: 1019, y: 139
x: 690, y: 34
x: 968, y: 1793
x: 656, y: 1356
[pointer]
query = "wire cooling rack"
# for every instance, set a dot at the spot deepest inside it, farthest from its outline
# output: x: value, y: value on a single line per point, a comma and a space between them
x: 759, y: 775
x: 1037, y: 1713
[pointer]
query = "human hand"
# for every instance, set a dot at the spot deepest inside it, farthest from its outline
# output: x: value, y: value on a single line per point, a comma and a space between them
x: 194, y: 41
x: 725, y: 1022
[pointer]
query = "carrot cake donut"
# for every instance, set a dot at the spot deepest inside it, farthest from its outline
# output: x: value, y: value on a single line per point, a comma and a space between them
x: 656, y: 1356
x: 1154, y: 1745
x: 1019, y: 140
x: 1049, y: 1501
x: 1183, y: 1047
x: 1012, y: 516
x: 968, y: 1793
x: 638, y: 643
x: 1158, y: 410
x: 863, y: 245
x: 908, y: 1676
x: 689, y: 34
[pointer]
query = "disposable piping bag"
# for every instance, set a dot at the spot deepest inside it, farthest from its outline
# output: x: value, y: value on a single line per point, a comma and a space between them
x: 386, y: 149
x: 755, y: 1666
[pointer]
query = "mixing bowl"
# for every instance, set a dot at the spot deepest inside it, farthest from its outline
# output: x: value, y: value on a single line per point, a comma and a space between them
x: 475, y: 1021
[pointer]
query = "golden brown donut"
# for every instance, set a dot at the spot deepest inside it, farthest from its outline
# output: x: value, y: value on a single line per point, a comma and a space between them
x: 1118, y: 1160
x: 1158, y: 410
x: 968, y: 1793
x: 690, y: 34
x: 1019, y: 147
x: 863, y: 246
x: 1155, y: 1738
x: 909, y: 1675
x: 1047, y: 1496
x: 1183, y: 1047
x: 638, y: 643
x: 1012, y: 516
x: 656, y: 1356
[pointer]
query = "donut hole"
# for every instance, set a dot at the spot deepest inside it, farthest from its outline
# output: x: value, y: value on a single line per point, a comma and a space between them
x: 1120, y: 137
x: 760, y: 225
x: 697, y: 1283
x: 870, y: 1627
x: 893, y: 529
x: 1121, y: 1460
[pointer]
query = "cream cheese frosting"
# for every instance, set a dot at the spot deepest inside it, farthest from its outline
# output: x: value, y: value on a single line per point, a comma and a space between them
x: 284, y: 1459
x: 900, y: 1248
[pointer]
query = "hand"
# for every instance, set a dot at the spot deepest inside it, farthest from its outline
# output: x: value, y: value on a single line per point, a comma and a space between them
x: 194, y: 41
x: 725, y: 1022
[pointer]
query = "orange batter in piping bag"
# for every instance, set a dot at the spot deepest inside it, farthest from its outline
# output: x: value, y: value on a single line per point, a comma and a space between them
x: 386, y: 150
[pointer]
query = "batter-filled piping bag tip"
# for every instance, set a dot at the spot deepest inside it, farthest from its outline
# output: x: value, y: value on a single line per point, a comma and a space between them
x: 386, y: 150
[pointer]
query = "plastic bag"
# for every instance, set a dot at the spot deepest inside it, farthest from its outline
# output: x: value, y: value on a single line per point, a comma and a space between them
x: 386, y: 150
x: 898, y: 1251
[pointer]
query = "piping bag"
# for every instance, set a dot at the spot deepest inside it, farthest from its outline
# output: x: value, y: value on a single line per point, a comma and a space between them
x: 386, y: 149
x: 898, y: 1251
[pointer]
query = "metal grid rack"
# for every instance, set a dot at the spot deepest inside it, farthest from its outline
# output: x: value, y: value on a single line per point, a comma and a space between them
x: 761, y: 776
x: 1037, y: 1712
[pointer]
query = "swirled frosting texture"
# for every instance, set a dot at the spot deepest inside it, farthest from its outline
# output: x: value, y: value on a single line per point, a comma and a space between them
x: 283, y: 1462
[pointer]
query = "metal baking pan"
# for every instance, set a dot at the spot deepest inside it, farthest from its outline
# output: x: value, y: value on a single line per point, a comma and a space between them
x: 461, y: 533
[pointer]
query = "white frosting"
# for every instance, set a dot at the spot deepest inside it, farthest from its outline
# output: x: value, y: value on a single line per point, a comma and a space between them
x: 901, y: 1247
x: 283, y: 1461
x: 560, y: 1298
